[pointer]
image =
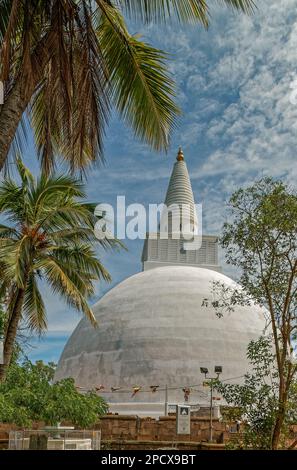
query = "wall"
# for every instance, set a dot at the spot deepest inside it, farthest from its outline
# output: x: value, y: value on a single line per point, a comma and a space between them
x: 133, y: 428
x: 132, y: 432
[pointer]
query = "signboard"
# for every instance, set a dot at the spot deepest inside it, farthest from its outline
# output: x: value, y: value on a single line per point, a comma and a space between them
x: 183, y: 419
x: 172, y: 407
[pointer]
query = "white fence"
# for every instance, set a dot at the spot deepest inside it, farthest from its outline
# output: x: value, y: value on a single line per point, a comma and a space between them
x: 43, y: 439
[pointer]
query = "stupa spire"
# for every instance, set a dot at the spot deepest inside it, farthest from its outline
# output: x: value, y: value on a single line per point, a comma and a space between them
x: 166, y: 247
x: 179, y: 190
x: 180, y: 155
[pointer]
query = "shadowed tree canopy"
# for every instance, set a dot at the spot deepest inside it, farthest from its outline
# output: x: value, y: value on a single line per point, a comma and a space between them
x: 68, y: 63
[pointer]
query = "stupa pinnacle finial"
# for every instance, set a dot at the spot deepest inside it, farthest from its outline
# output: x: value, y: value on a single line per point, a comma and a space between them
x: 180, y: 155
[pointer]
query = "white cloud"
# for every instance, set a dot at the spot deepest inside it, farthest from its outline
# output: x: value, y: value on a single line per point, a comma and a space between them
x: 238, y: 123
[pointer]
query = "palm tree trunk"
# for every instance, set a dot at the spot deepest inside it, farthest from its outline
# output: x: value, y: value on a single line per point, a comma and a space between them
x: 19, y: 96
x: 10, y: 116
x: 11, y: 332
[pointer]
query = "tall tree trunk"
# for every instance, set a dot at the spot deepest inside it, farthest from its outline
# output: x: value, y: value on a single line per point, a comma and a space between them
x: 277, y: 429
x: 11, y: 113
x: 280, y: 418
x: 11, y: 332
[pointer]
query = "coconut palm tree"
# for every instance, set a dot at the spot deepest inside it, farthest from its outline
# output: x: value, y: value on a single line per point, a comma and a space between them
x: 67, y: 62
x: 49, y: 237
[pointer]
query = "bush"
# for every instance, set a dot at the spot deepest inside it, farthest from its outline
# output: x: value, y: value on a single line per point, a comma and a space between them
x: 29, y: 394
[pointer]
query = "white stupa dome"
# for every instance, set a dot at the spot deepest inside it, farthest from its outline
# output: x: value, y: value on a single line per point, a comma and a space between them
x: 154, y: 329
x: 158, y: 327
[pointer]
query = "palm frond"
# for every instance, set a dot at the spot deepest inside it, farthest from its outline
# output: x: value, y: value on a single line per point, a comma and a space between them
x: 67, y: 284
x: 68, y: 214
x: 247, y: 6
x: 51, y: 238
x: 72, y: 106
x: 45, y: 121
x: 24, y: 172
x: 8, y: 232
x: 71, y: 236
x: 184, y: 11
x: 92, y: 99
x: 10, y: 13
x: 18, y: 260
x: 141, y: 88
x: 11, y: 197
x: 18, y: 145
x: 82, y: 259
x: 54, y: 191
x: 52, y: 106
x: 34, y: 309
x: 189, y: 11
x: 5, y: 10
x: 68, y: 71
x: 15, y: 201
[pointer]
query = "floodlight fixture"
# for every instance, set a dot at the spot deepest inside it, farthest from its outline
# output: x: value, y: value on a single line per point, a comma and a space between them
x: 218, y: 369
x: 204, y: 370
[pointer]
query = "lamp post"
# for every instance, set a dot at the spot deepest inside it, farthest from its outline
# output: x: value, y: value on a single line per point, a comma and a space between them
x: 218, y: 370
x: 166, y: 400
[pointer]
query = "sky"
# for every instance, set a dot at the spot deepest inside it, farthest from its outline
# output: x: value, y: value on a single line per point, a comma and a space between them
x: 235, y: 85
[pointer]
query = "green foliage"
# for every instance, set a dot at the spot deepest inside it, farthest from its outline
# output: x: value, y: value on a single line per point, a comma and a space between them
x: 189, y: 11
x: 29, y: 394
x: 49, y: 236
x: 69, y: 94
x: 260, y: 239
x: 146, y: 87
x: 255, y: 402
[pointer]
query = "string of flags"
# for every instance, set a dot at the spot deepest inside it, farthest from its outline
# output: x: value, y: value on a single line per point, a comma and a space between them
x: 187, y: 392
x: 153, y: 389
x: 135, y: 389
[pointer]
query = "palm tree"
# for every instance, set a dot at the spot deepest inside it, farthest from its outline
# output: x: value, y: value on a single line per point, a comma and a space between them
x: 50, y: 238
x: 67, y: 62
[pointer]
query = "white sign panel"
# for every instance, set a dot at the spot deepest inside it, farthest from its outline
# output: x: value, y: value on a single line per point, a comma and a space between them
x: 172, y: 407
x: 183, y: 419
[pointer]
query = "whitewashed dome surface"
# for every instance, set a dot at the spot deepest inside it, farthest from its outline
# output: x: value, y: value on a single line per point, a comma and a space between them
x: 154, y: 330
